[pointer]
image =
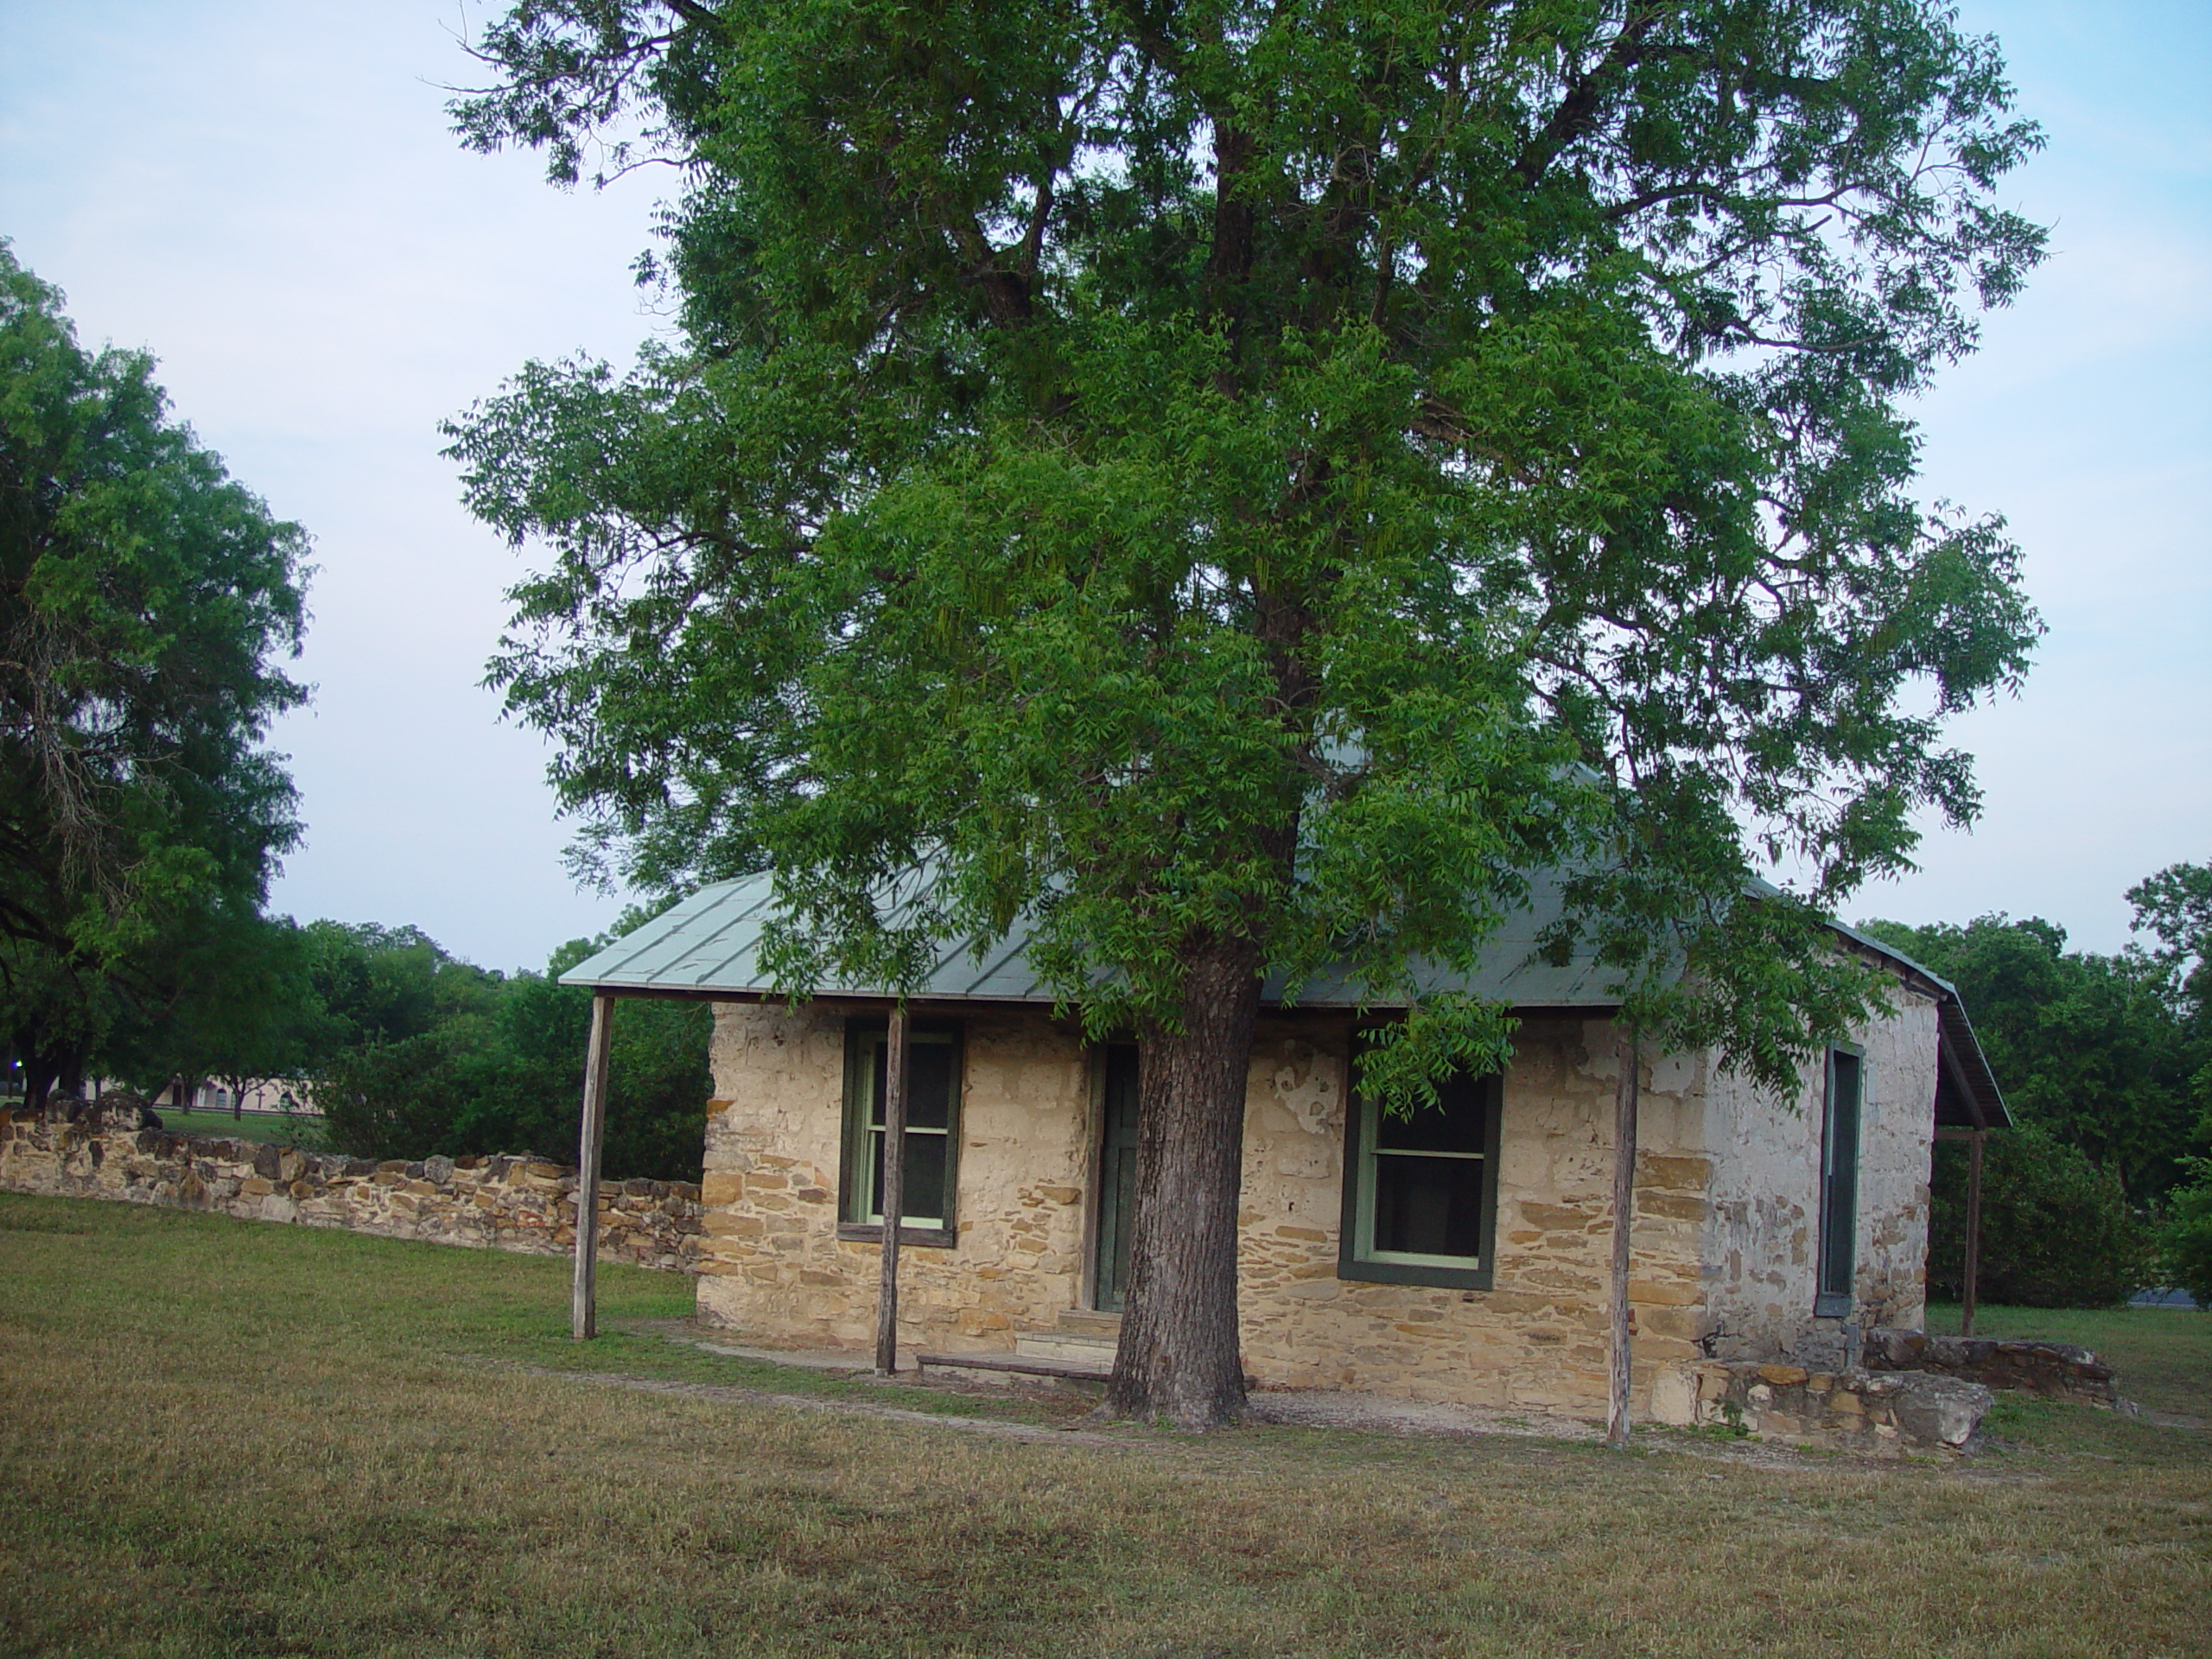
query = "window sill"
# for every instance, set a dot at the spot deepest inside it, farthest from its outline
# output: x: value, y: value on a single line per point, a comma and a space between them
x: 871, y: 1232
x: 1405, y: 1273
x: 1828, y: 1306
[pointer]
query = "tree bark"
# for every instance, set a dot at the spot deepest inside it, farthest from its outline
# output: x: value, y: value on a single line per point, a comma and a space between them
x: 1180, y: 1358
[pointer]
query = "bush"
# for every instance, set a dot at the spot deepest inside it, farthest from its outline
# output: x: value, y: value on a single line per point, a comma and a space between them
x: 2057, y: 1230
x: 509, y: 1078
x: 2185, y: 1240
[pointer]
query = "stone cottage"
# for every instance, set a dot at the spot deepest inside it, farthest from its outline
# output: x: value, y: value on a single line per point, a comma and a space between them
x: 1457, y: 1257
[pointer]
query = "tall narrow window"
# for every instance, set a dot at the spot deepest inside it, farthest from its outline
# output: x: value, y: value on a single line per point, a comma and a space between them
x: 1846, y: 1096
x: 932, y: 1125
x: 1421, y: 1192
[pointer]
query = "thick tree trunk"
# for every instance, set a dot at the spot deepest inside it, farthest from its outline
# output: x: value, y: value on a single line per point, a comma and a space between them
x: 38, y: 1082
x: 1180, y: 1359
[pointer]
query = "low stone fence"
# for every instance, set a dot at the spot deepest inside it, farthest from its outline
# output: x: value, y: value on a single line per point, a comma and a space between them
x: 1854, y: 1410
x: 510, y: 1203
x: 2057, y: 1370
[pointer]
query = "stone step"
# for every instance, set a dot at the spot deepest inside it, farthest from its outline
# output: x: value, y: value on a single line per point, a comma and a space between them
x: 1019, y: 1365
x: 1084, y: 1321
x: 1071, y: 1345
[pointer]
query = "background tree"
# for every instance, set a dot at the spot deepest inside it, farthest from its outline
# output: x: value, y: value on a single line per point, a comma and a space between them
x: 2091, y: 1050
x: 421, y: 1053
x: 145, y: 601
x: 226, y: 997
x: 2057, y: 1229
x: 2175, y: 908
x: 1245, y: 483
x: 2105, y: 1063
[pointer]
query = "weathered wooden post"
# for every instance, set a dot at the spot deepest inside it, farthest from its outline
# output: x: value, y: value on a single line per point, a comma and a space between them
x: 895, y: 1191
x: 1974, y: 1231
x: 1624, y: 1210
x: 583, y: 1302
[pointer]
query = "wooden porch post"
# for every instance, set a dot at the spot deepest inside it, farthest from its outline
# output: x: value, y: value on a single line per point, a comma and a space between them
x: 895, y: 1191
x: 583, y: 1303
x: 1974, y: 1231
x: 1623, y: 1209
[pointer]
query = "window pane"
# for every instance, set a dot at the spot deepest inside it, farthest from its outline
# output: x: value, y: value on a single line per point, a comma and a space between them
x: 1428, y: 1207
x: 1454, y: 1124
x: 925, y: 1177
x: 924, y: 1194
x: 929, y: 1085
x: 1840, y: 1172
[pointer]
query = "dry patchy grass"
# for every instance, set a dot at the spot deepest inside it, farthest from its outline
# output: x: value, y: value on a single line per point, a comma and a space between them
x: 225, y: 1438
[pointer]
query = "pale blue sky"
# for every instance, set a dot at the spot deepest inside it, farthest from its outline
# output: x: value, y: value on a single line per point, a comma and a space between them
x: 266, y: 196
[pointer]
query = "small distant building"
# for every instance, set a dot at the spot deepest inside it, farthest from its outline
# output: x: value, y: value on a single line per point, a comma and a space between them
x: 1459, y: 1256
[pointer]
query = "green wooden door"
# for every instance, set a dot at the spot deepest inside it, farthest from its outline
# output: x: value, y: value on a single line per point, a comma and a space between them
x: 1117, y: 1177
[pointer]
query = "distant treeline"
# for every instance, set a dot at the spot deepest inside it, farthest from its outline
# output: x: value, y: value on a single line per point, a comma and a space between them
x: 405, y: 1050
x: 2106, y: 1062
x: 425, y: 1054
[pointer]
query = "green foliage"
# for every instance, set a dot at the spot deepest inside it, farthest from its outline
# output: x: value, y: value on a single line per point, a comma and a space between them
x: 237, y: 1002
x: 1245, y: 484
x: 421, y: 1053
x: 2057, y: 1230
x: 2185, y: 1237
x: 145, y: 599
x: 2095, y: 1050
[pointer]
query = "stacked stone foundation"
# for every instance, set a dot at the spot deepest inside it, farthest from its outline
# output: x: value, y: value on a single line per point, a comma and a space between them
x: 522, y: 1203
x: 1850, y: 1410
x: 2058, y: 1370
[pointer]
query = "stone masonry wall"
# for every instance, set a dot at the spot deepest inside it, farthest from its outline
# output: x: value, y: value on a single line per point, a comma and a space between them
x: 773, y: 1265
x: 1537, y: 1337
x: 771, y: 1261
x: 511, y: 1203
x: 1761, y: 1248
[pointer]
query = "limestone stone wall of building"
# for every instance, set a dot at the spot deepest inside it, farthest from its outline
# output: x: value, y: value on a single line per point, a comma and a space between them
x: 771, y: 1261
x: 522, y: 1203
x: 1761, y: 1246
x: 1537, y: 1337
x: 773, y: 1264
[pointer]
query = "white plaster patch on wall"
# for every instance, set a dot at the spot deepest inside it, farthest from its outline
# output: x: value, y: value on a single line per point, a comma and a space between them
x: 1306, y: 1087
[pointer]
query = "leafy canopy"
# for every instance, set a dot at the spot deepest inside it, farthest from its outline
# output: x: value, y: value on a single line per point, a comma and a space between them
x: 1268, y: 476
x: 146, y: 601
x: 2098, y: 1052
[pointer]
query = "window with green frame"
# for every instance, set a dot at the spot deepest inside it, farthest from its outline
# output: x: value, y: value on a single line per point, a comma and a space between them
x: 932, y: 1128
x: 1845, y: 1100
x: 1421, y: 1192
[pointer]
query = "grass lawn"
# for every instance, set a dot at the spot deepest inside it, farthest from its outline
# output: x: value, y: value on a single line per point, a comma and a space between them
x: 254, y: 1126
x: 2162, y: 1356
x: 233, y: 1438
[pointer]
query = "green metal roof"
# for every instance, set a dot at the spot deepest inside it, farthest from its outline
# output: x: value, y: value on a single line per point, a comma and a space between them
x: 709, y: 945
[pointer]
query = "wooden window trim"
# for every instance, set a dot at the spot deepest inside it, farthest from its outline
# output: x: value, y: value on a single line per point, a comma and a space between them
x: 861, y: 1033
x: 1350, y: 1265
x: 871, y: 1232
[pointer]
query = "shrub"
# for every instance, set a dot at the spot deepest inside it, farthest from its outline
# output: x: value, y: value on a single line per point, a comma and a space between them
x: 2185, y: 1240
x: 2057, y: 1230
